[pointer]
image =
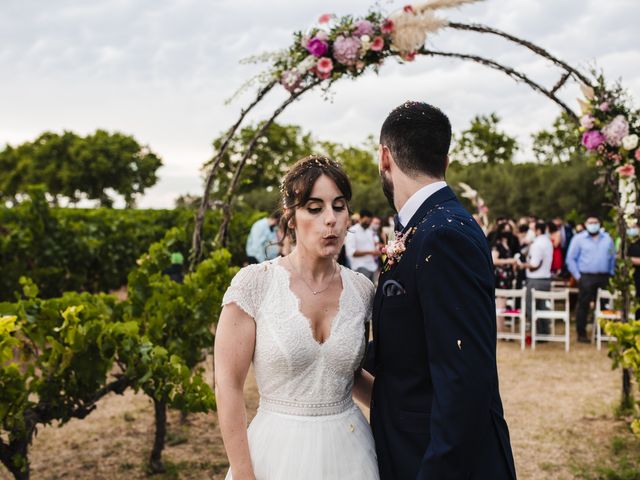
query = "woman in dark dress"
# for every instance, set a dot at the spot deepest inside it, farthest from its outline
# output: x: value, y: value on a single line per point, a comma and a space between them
x: 503, y: 262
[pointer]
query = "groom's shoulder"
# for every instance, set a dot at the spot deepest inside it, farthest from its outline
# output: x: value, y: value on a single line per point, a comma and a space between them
x: 450, y: 224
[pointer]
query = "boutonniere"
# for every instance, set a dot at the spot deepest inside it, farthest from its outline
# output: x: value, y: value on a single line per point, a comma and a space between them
x: 396, y: 248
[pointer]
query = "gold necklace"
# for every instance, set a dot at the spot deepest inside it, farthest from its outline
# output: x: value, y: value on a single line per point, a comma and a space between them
x: 315, y: 292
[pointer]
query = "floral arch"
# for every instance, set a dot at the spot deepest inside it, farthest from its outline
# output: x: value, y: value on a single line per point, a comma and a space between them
x: 346, y: 47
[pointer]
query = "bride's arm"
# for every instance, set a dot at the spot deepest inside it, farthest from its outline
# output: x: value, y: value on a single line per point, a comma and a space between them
x: 363, y: 381
x: 363, y: 386
x: 233, y: 351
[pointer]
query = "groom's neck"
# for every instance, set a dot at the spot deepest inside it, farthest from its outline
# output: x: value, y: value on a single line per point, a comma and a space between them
x: 405, y: 187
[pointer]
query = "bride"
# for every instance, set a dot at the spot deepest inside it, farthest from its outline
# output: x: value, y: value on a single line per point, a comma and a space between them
x: 301, y: 320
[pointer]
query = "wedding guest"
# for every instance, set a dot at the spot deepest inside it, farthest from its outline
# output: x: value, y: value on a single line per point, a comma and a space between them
x: 503, y: 262
x: 361, y: 248
x: 556, y: 240
x: 262, y: 243
x: 591, y: 259
x: 538, y: 270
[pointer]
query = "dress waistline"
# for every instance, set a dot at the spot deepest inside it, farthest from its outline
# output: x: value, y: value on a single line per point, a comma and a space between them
x: 305, y: 409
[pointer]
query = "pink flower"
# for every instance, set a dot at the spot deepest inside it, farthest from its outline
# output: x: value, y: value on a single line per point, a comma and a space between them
x: 346, y: 49
x: 408, y: 56
x: 387, y: 26
x: 592, y: 139
x: 604, y: 107
x: 627, y: 170
x: 291, y: 80
x: 378, y: 44
x: 637, y: 155
x: 317, y: 47
x: 324, y: 68
x: 363, y: 27
x: 408, y: 9
x: 396, y: 248
x: 587, y: 121
x: 325, y: 18
x: 616, y: 130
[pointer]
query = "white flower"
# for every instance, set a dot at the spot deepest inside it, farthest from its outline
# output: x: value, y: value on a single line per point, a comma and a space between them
x: 307, y: 64
x: 630, y: 142
x: 365, y: 45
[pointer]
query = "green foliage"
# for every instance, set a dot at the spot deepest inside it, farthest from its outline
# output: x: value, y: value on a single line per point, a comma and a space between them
x: 57, y: 362
x: 64, y: 249
x: 72, y: 166
x: 516, y: 189
x: 483, y: 142
x: 59, y: 356
x: 625, y: 353
x: 177, y: 319
x: 75, y: 249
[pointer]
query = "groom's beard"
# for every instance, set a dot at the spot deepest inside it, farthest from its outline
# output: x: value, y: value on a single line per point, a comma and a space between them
x: 387, y: 189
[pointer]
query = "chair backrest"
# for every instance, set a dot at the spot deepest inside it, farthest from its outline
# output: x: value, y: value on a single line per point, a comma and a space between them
x: 607, y: 298
x: 511, y: 293
x: 557, y: 296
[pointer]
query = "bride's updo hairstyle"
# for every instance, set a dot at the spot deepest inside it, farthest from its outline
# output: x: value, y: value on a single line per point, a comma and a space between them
x: 298, y: 183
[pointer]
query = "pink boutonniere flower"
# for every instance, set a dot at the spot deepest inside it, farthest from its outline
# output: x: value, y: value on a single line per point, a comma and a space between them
x: 396, y: 248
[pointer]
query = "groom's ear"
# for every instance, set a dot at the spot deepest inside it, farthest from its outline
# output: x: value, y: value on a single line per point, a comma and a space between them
x: 385, y: 157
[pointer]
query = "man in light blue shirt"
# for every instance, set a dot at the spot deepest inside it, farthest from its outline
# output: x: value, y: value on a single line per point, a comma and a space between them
x: 262, y: 242
x: 591, y: 259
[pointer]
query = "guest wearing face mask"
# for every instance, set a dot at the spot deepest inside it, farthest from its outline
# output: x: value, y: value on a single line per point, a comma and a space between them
x: 591, y: 259
x: 634, y: 255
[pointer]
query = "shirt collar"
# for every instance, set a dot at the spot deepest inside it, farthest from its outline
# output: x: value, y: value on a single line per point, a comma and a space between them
x: 412, y: 205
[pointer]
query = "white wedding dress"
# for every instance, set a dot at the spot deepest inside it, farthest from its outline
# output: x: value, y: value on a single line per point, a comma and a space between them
x: 307, y: 425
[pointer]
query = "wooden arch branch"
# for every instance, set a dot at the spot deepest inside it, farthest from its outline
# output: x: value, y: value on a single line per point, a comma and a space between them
x: 513, y: 73
x: 196, y: 245
x: 531, y: 46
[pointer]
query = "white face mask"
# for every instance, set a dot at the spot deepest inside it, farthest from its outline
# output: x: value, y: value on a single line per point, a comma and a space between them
x: 593, y: 228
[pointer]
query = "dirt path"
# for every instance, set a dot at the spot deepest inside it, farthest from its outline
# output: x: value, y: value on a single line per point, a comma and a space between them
x: 559, y: 408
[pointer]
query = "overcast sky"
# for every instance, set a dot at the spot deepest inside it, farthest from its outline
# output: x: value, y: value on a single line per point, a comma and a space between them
x: 162, y: 69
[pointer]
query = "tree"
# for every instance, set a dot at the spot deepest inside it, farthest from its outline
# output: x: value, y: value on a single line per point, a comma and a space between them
x: 115, y: 161
x: 560, y: 144
x: 483, y: 142
x: 72, y: 166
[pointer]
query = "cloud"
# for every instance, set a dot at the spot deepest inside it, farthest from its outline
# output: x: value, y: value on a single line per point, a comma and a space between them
x: 161, y: 70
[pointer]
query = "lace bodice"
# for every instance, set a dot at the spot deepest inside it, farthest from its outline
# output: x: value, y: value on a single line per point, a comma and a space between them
x: 296, y: 374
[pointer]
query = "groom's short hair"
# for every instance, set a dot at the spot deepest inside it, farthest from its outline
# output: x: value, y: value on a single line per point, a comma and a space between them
x: 418, y: 136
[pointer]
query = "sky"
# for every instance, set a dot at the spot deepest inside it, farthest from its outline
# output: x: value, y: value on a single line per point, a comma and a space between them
x: 161, y: 70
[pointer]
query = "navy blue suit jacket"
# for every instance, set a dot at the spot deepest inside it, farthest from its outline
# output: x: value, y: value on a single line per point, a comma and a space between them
x: 436, y: 411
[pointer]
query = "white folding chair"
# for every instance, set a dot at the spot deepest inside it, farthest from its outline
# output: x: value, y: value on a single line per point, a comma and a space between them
x: 605, y: 310
x: 552, y: 315
x: 515, y: 311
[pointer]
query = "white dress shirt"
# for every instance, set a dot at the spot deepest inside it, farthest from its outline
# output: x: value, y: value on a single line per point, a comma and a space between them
x: 412, y: 205
x: 361, y: 240
x: 541, y: 253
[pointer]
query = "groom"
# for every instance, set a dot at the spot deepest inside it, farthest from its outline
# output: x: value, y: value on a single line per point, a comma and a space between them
x: 436, y: 411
